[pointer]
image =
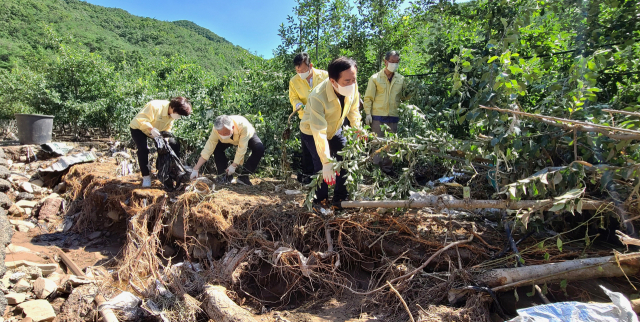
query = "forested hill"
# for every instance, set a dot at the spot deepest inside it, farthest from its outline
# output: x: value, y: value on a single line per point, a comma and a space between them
x: 109, y: 32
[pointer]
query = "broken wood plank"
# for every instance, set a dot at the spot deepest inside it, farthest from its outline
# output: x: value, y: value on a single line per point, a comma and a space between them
x: 221, y: 308
x: 504, y: 279
x: 107, y: 314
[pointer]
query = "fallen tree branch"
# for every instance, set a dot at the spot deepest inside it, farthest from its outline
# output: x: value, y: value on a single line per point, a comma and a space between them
x: 221, y: 308
x: 505, y: 279
x: 625, y: 239
x: 438, y: 201
x: 576, y: 125
x: 406, y: 307
x: 636, y: 114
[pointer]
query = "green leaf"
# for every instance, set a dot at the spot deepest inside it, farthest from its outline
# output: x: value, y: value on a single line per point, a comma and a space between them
x: 541, y: 245
x: 533, y: 291
x: 515, y: 294
x: 563, y: 286
x: 492, y: 59
x: 559, y: 243
x: 546, y: 257
x: 557, y: 178
x: 579, y: 206
x: 558, y: 206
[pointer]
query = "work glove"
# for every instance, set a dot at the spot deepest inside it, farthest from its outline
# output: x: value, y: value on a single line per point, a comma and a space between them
x: 299, y: 106
x: 231, y: 169
x: 194, y: 174
x: 368, y: 119
x: 155, y: 133
x: 328, y: 174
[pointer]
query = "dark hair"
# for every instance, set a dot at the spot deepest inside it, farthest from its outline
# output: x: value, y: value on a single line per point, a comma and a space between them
x: 301, y: 58
x: 339, y: 65
x: 390, y: 54
x: 181, y: 105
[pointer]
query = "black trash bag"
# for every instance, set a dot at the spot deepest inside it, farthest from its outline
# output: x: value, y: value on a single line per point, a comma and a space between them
x: 171, y: 172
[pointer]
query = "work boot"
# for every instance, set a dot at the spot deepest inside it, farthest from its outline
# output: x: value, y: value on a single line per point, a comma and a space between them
x: 304, y: 179
x: 244, y: 180
x: 224, y: 179
x: 146, y: 181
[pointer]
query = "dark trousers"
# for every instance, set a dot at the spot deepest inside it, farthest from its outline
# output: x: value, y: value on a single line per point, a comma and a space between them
x: 140, y: 139
x: 307, y: 161
x: 381, y: 159
x: 336, y: 144
x: 250, y: 166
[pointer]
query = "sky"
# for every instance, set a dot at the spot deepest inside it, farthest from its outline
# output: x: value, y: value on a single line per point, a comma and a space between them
x: 250, y: 24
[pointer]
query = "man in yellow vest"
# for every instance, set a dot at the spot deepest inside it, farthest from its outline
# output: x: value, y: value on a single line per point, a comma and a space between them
x: 300, y: 86
x: 229, y: 130
x: 156, y: 120
x: 321, y: 127
x: 381, y: 100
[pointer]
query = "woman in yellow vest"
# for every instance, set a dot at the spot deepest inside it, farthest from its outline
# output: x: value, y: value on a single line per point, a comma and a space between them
x: 300, y: 86
x: 156, y: 117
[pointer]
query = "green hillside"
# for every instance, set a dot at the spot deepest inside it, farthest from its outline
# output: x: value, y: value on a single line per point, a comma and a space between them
x: 109, y: 32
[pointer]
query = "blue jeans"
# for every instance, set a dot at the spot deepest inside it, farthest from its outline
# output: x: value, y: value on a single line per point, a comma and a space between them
x: 336, y: 144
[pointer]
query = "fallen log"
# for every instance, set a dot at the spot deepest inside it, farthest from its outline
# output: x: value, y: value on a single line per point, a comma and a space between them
x: 440, y: 202
x: 505, y: 279
x: 221, y: 308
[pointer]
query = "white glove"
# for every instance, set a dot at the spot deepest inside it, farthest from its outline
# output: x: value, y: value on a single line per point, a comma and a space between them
x: 231, y: 169
x: 368, y: 119
x: 194, y: 174
x: 155, y: 133
x: 299, y: 106
x: 328, y: 174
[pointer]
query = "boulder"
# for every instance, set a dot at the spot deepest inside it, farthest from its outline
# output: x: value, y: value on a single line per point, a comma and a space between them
x: 43, y: 287
x: 26, y: 204
x: 50, y: 208
x: 22, y: 223
x: 5, y: 185
x: 15, y: 211
x: 38, y: 310
x: 14, y: 249
x: 4, y: 172
x: 5, y: 202
x: 22, y: 286
x: 37, y: 182
x: 26, y: 187
x: 46, y: 269
x: 16, y: 298
x: 25, y: 196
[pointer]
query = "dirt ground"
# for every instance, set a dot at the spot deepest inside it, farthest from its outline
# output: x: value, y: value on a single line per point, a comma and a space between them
x: 260, y: 220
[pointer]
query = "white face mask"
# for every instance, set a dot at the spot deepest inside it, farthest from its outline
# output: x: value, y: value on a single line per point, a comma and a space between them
x: 305, y: 74
x: 225, y: 137
x: 175, y: 116
x: 346, y: 90
x: 392, y: 67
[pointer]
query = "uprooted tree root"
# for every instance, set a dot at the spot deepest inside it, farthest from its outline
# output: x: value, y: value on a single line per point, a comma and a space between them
x: 271, y: 253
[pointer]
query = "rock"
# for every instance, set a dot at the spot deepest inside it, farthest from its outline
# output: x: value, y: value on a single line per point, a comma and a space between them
x: 15, y: 277
x: 94, y: 235
x: 5, y: 185
x: 22, y: 228
x: 43, y: 287
x: 16, y: 298
x: 14, y: 249
x: 52, y: 195
x: 27, y: 320
x: 22, y: 286
x: 75, y: 308
x: 4, y: 172
x: 38, y: 310
x: 57, y: 304
x: 46, y: 269
x: 15, y: 211
x: 50, y: 208
x: 2, y: 154
x: 114, y: 215
x: 38, y: 183
x: 167, y: 251
x: 22, y: 223
x: 28, y: 211
x: 60, y: 187
x: 5, y: 202
x: 26, y: 187
x: 75, y: 281
x: 26, y: 204
x: 25, y: 196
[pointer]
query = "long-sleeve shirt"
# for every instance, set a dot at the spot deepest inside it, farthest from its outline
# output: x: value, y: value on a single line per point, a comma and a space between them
x: 154, y: 115
x: 324, y: 116
x: 299, y: 88
x: 242, y: 132
x: 382, y: 97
